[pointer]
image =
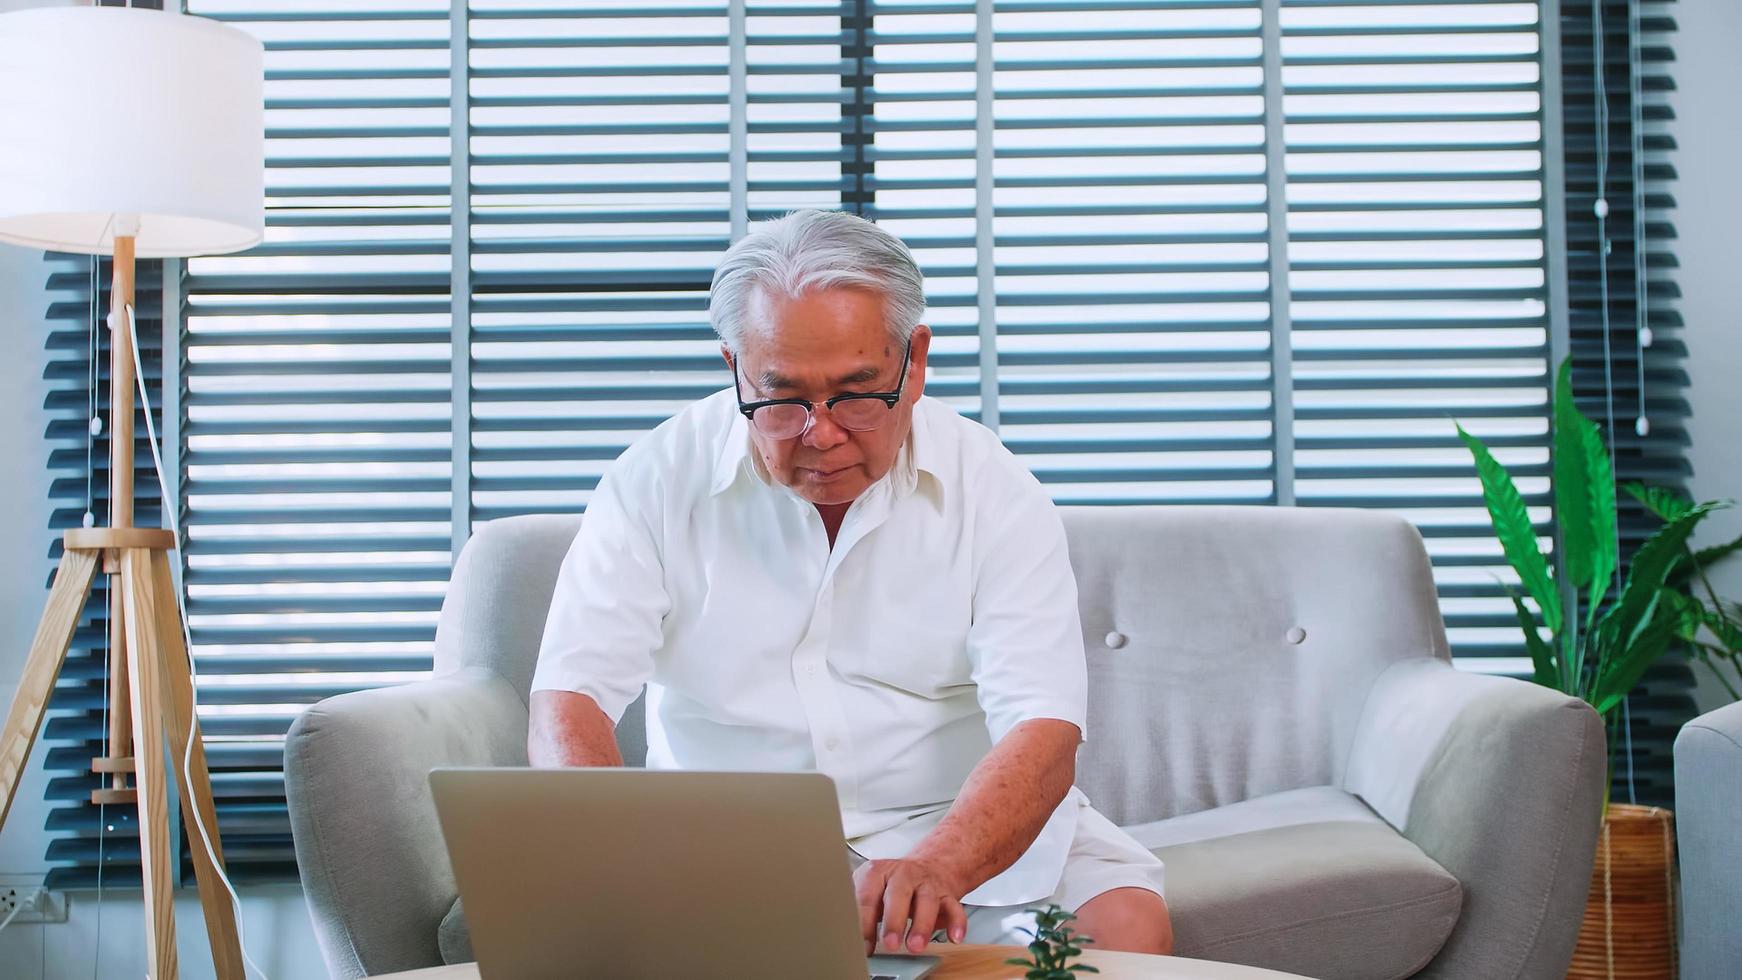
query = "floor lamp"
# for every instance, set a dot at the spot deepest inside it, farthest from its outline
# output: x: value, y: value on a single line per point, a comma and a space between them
x: 134, y: 133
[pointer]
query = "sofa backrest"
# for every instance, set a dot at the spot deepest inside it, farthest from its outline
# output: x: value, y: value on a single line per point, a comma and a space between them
x: 1230, y: 649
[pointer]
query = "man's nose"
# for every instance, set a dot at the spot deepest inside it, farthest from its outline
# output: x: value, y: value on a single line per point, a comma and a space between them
x: 824, y: 432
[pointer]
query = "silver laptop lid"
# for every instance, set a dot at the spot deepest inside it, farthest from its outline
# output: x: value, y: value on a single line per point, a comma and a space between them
x: 633, y: 873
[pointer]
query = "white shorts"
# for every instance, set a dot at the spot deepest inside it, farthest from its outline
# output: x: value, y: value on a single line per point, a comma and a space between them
x: 1102, y: 858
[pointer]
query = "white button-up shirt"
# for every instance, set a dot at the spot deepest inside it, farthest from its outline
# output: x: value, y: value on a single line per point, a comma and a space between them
x: 944, y: 615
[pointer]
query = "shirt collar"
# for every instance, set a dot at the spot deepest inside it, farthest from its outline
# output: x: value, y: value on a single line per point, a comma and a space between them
x: 921, y: 455
x: 925, y: 449
x: 734, y: 452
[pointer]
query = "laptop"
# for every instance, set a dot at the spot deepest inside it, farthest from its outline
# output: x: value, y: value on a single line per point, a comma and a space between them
x: 663, y: 875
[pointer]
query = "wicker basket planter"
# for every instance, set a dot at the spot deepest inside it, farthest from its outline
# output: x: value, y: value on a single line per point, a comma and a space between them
x: 1629, y: 927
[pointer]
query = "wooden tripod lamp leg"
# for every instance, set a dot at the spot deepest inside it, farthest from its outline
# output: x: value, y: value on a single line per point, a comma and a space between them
x: 66, y: 600
x: 195, y: 781
x: 144, y: 654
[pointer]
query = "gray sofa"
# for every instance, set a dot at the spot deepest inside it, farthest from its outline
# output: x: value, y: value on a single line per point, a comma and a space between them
x: 1272, y: 711
x: 1708, y: 799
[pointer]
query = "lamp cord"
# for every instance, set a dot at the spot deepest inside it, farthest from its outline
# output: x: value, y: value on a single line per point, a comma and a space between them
x: 169, y: 508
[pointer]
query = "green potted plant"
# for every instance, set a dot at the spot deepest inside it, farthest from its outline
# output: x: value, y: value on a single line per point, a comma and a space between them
x: 1053, y: 944
x: 1710, y: 626
x: 1598, y: 647
x: 1600, y: 641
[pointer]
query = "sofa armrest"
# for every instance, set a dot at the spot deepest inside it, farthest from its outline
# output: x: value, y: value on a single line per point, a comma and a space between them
x: 369, y: 846
x: 1501, y: 782
x: 1708, y: 795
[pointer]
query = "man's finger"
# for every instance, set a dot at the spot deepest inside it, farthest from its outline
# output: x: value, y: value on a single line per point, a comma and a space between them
x: 955, y: 919
x: 868, y: 892
x: 897, y: 909
x: 925, y: 917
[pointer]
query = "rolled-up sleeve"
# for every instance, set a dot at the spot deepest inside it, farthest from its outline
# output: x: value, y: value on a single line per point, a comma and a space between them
x: 1026, y: 641
x: 607, y: 614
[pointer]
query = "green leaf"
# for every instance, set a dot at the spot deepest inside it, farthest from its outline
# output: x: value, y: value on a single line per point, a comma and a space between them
x: 1706, y: 651
x: 1572, y: 491
x: 1512, y: 526
x: 1662, y: 501
x: 1642, y: 649
x: 1727, y: 630
x: 1717, y: 553
x: 1651, y: 565
x: 1547, y: 671
x: 1604, y: 542
x: 1689, y: 613
x: 1084, y: 968
x: 1681, y: 572
x: 1668, y: 505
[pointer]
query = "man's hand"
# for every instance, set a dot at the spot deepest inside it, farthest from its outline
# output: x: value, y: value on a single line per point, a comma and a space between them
x: 1002, y: 808
x: 894, y: 893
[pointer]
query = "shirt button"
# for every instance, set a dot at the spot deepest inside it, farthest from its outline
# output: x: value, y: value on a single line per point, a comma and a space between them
x: 1115, y: 640
x: 832, y: 744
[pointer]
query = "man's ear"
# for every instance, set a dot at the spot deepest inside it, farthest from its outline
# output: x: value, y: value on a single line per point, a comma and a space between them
x: 921, y: 348
x: 726, y: 354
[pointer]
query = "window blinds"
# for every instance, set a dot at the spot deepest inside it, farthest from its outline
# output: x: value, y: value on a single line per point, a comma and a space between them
x: 1418, y: 274
x: 1242, y: 252
x: 1232, y: 251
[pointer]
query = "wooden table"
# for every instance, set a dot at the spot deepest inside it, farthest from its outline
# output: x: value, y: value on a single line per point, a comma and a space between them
x: 987, y: 963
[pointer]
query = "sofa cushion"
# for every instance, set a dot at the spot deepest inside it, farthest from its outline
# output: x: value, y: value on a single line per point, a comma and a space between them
x: 453, y: 938
x: 1308, y: 881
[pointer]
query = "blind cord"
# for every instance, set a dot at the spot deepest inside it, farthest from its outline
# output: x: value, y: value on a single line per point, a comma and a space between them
x: 168, y: 509
x: 1641, y: 278
x: 1601, y: 209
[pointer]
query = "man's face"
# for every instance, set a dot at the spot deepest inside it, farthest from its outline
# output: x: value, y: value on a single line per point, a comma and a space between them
x: 825, y: 343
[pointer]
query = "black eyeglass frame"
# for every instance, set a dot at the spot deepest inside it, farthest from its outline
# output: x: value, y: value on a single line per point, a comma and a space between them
x: 889, y: 398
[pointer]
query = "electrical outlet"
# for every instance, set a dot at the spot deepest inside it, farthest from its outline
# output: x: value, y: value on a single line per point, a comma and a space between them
x: 32, y: 903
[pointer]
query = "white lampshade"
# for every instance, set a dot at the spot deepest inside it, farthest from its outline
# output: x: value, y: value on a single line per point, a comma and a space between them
x: 107, y: 113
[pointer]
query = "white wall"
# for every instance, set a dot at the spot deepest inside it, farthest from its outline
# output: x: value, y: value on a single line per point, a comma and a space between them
x: 1708, y: 129
x: 24, y: 507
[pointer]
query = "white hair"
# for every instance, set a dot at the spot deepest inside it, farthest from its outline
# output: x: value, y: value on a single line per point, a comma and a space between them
x: 811, y: 249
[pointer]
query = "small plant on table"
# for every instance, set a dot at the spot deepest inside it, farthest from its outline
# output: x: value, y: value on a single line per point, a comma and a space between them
x: 1053, y: 946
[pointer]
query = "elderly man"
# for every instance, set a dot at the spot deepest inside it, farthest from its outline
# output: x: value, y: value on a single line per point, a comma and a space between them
x: 823, y: 569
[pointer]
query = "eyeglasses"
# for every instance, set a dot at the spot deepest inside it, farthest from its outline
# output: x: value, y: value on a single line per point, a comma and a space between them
x: 788, y: 418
